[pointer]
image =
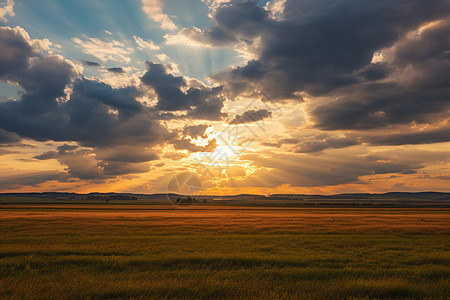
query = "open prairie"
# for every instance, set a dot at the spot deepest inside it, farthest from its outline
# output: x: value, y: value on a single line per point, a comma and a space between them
x: 150, y: 251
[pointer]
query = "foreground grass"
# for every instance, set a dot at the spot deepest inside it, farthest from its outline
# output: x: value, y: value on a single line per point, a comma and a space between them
x: 104, y: 256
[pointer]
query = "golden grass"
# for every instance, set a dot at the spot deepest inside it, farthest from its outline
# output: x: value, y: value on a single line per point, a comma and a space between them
x: 236, y: 219
x: 140, y: 252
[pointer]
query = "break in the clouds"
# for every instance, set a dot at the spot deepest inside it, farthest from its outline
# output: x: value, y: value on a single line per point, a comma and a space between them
x: 316, y: 94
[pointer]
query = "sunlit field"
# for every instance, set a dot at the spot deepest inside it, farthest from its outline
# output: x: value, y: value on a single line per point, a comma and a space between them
x: 131, y: 251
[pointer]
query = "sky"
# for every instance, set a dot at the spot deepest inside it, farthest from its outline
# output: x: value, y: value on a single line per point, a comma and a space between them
x: 279, y: 96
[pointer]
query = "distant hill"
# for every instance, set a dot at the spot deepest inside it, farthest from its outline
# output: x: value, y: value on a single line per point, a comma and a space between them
x: 131, y: 196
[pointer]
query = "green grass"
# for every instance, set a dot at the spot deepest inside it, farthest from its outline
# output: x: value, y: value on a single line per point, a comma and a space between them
x: 91, y: 259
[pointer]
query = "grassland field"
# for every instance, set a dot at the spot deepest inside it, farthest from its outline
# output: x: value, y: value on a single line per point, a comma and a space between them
x: 103, y: 251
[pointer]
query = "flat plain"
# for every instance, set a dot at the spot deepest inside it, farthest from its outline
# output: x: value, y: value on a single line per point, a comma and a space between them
x: 109, y: 251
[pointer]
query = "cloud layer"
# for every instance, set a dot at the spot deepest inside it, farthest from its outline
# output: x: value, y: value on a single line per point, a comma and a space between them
x: 343, y: 91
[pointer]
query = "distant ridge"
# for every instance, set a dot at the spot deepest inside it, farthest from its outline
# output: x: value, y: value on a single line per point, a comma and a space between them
x: 415, y: 195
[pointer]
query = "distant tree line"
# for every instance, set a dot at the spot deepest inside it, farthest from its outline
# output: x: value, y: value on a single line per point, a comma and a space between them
x: 110, y: 197
x: 190, y: 200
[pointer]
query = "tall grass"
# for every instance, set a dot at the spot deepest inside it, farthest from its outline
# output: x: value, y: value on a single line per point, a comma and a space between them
x: 143, y: 257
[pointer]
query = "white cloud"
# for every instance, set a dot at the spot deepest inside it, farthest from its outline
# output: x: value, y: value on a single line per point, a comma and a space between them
x: 131, y: 77
x: 108, y: 32
x: 6, y: 9
x: 153, y: 9
x: 275, y: 9
x: 37, y: 44
x: 113, y: 50
x: 143, y: 44
x: 162, y: 57
x: 192, y: 37
x: 213, y: 5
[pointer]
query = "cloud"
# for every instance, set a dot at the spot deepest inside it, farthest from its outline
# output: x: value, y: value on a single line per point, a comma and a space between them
x: 90, y: 63
x: 418, y: 95
x: 114, y: 132
x: 426, y: 136
x: 38, y: 45
x: 15, y: 52
x: 126, y: 153
x: 153, y: 9
x: 118, y: 70
x: 6, y: 10
x: 371, y: 74
x: 236, y: 21
x: 198, y: 102
x: 185, y: 139
x: 13, y: 181
x: 323, y: 140
x: 103, y: 50
x: 195, y: 37
x: 323, y: 51
x: 186, y: 144
x: 276, y: 9
x: 142, y: 44
x: 338, y: 167
x: 251, y: 116
x: 309, y: 51
x: 317, y: 144
x: 80, y: 163
x: 94, y: 114
x: 101, y: 162
x: 162, y: 57
x: 8, y: 137
x: 196, y: 131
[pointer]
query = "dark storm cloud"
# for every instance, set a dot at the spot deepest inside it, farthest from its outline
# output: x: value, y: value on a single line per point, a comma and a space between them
x: 236, y: 21
x: 65, y: 147
x: 251, y: 116
x: 95, y: 115
x: 240, y: 19
x: 201, y: 103
x: 89, y: 63
x: 15, y: 53
x: 209, y: 109
x: 412, y: 138
x: 8, y: 137
x: 118, y: 70
x: 61, y: 150
x: 325, y: 48
x: 195, y: 131
x: 380, y: 105
x: 47, y: 155
x: 423, y: 98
